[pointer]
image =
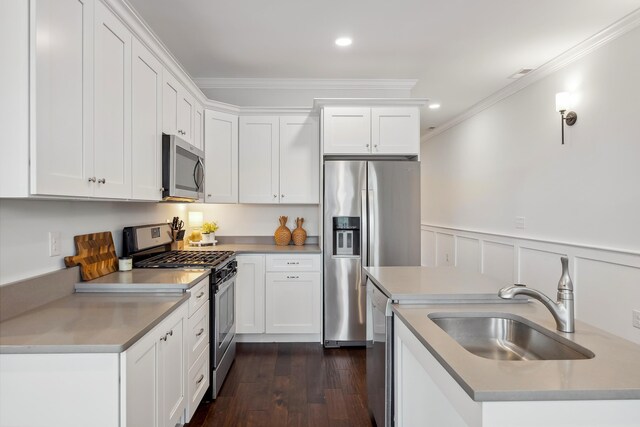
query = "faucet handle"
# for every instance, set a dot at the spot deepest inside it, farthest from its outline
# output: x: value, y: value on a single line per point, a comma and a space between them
x: 565, y: 283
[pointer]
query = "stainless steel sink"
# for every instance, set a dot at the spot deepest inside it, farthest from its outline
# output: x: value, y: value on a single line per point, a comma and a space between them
x: 504, y: 337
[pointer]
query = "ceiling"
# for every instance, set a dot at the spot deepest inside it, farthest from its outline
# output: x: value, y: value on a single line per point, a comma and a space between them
x: 461, y: 51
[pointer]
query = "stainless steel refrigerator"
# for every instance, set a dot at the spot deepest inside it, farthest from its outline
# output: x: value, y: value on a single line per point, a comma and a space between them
x: 371, y: 218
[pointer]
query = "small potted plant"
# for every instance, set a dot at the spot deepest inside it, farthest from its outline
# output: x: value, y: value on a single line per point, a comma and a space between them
x: 209, y: 232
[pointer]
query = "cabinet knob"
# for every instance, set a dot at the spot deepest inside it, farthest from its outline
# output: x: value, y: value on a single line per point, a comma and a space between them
x: 275, y: 196
x: 282, y: 195
x: 208, y: 195
x: 92, y: 179
x: 102, y: 181
x: 367, y: 145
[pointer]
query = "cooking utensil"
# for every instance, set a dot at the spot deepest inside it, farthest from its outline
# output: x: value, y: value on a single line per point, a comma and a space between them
x: 96, y: 255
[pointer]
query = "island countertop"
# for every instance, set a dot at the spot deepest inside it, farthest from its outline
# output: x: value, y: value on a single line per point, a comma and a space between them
x: 435, y: 284
x: 614, y: 372
x: 87, y: 323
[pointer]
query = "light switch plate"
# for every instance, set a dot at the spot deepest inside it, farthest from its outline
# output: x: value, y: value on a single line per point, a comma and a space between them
x: 54, y: 243
x: 636, y: 319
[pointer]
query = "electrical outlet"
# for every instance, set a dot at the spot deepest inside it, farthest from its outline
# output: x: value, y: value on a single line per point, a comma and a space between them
x: 54, y: 243
x: 520, y: 222
x: 636, y: 319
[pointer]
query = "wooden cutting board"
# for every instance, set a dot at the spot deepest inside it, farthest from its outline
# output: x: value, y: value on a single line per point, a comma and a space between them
x: 96, y: 255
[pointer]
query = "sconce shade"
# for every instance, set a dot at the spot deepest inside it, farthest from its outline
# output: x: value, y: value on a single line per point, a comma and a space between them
x: 196, y: 219
x: 563, y: 101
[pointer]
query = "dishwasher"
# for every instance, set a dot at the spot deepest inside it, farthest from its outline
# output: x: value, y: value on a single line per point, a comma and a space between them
x: 379, y: 356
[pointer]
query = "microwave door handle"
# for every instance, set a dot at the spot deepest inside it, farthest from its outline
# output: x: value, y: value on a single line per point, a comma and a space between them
x: 201, y: 174
x: 198, y: 178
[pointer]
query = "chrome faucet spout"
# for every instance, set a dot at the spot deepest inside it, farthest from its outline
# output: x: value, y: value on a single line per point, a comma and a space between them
x: 562, y: 310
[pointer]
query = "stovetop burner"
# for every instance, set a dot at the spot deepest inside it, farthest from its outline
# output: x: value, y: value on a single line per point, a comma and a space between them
x: 177, y: 259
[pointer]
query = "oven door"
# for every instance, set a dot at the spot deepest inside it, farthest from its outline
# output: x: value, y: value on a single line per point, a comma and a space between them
x: 224, y: 318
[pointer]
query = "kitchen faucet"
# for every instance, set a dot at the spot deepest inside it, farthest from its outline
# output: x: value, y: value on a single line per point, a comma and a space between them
x: 562, y: 310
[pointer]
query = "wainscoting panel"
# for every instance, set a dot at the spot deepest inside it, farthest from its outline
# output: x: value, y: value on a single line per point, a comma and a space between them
x: 498, y: 260
x: 445, y: 250
x: 608, y: 294
x: 428, y: 250
x: 541, y: 270
x: 606, y: 280
x: 468, y: 255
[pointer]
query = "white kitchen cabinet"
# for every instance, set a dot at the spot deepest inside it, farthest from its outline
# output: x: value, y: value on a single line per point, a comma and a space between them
x: 198, y: 127
x: 279, y: 160
x: 198, y: 340
x: 395, y: 130
x: 62, y: 147
x: 392, y: 130
x: 186, y: 111
x: 146, y: 124
x: 155, y: 375
x: 112, y: 105
x: 259, y: 159
x: 221, y: 157
x: 178, y: 108
x: 299, y: 160
x: 293, y: 303
x: 250, y: 294
x: 347, y: 130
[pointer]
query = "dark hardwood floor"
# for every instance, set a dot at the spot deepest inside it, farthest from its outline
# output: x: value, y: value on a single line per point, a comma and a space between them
x: 290, y: 384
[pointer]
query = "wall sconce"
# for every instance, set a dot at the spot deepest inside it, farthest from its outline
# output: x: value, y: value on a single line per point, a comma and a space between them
x: 563, y: 102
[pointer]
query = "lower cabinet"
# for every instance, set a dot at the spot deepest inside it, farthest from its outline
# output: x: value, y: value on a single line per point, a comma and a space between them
x: 278, y: 297
x: 293, y: 303
x: 155, y: 369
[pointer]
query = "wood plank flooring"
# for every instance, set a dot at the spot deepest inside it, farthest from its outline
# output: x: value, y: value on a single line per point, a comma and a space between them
x: 290, y: 384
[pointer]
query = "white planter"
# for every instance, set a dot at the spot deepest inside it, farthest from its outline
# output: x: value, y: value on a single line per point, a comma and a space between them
x: 208, y: 237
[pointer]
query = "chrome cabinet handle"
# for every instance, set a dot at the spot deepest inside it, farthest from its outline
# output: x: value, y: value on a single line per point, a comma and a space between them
x: 208, y: 195
x: 200, y: 379
x: 293, y: 277
x: 102, y: 181
x: 200, y: 332
x: 200, y: 295
x: 170, y: 333
x: 164, y: 338
x: 293, y: 262
x: 92, y: 179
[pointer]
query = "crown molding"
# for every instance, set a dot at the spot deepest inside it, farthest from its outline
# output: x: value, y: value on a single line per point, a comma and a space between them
x: 614, y: 31
x: 305, y: 84
x: 318, y: 103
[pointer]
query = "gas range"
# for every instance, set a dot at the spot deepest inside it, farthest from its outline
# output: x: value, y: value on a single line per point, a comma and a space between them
x: 186, y: 259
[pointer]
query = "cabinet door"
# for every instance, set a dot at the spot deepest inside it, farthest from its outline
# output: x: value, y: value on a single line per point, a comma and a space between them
x: 62, y: 150
x: 170, y: 95
x: 146, y: 124
x: 198, y: 127
x: 173, y: 370
x: 299, y: 160
x: 259, y: 160
x: 186, y: 110
x: 141, y: 382
x: 347, y: 130
x: 293, y: 303
x: 250, y: 294
x: 112, y: 105
x: 221, y: 157
x: 395, y: 130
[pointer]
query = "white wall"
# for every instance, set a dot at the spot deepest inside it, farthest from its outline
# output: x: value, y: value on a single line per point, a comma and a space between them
x: 24, y: 227
x: 294, y: 97
x: 507, y: 161
x: 256, y: 220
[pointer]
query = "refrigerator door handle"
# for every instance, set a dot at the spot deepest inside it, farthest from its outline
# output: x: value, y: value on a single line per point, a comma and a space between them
x: 364, y: 235
x: 372, y: 235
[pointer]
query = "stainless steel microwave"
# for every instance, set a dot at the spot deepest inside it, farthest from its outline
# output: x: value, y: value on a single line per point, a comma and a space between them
x: 182, y: 170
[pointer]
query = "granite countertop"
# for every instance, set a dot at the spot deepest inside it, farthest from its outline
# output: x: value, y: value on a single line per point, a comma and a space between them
x: 87, y: 323
x: 434, y: 284
x: 146, y: 280
x: 614, y: 372
x: 248, y: 248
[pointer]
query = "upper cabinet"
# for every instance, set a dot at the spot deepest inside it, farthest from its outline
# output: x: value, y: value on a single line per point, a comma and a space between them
x: 221, y: 157
x: 146, y: 124
x: 390, y: 130
x: 112, y: 105
x: 198, y: 127
x: 62, y: 147
x: 279, y: 159
x: 299, y: 160
x: 178, y: 109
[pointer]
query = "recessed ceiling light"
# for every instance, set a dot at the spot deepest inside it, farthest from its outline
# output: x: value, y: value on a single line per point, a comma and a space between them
x: 344, y: 41
x: 434, y: 106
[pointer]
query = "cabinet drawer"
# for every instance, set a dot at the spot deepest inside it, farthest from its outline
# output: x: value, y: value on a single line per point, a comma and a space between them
x: 199, y: 295
x: 198, y: 333
x: 293, y: 262
x: 198, y: 382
